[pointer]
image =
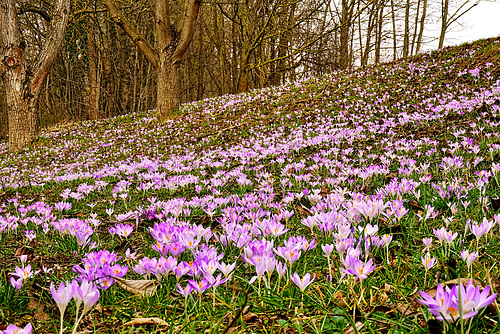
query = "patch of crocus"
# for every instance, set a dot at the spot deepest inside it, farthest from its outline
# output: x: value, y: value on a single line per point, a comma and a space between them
x: 303, y: 282
x: 445, y: 304
x: 13, y: 329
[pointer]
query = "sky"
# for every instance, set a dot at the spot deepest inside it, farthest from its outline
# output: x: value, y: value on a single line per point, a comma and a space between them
x: 482, y: 21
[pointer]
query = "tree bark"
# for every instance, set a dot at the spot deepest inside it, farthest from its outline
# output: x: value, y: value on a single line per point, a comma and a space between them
x: 24, y: 81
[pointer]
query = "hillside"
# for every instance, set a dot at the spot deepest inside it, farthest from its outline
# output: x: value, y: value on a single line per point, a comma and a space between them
x: 358, y: 165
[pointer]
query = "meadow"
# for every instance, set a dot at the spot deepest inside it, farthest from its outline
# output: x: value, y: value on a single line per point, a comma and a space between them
x: 363, y: 201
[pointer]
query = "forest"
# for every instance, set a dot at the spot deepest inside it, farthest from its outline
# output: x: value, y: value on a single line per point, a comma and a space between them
x: 97, y: 59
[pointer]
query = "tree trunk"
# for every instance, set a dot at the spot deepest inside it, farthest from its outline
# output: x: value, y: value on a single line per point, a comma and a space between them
x: 444, y: 22
x: 168, y: 89
x: 394, y: 36
x: 422, y: 22
x: 22, y: 108
x: 406, y: 42
x: 93, y: 83
x: 378, y: 42
x: 24, y: 81
x: 344, y: 33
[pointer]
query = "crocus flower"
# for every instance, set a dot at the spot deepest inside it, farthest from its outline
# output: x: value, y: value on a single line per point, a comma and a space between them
x: 327, y: 249
x: 427, y: 243
x: 428, y: 261
x: 302, y: 283
x: 468, y: 257
x: 23, y: 273
x: 199, y: 286
x: 445, y: 303
x: 358, y: 268
x: 16, y: 283
x: 13, y: 329
x: 123, y: 230
x: 184, y: 291
x: 62, y: 295
x: 86, y: 293
x: 226, y: 269
x: 443, y: 235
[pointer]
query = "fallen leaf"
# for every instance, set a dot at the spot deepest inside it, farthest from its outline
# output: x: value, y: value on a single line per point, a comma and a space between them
x: 415, y: 204
x: 303, y: 212
x: 23, y: 251
x: 351, y: 330
x: 339, y: 297
x: 39, y: 313
x: 324, y: 191
x: 250, y: 317
x: 138, y: 287
x: 495, y: 204
x: 146, y: 321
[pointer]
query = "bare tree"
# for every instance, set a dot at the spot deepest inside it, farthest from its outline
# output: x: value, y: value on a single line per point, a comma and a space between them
x: 447, y: 20
x: 172, y: 43
x: 25, y: 80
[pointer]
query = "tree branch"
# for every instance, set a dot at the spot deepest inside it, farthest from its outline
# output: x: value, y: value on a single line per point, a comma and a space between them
x: 139, y: 40
x: 51, y: 46
x: 31, y: 9
x: 162, y: 18
x: 187, y: 29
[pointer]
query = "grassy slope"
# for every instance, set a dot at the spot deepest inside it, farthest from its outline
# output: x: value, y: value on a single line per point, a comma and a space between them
x: 319, y: 133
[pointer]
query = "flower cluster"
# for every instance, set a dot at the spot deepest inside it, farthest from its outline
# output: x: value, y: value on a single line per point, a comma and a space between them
x: 100, y: 267
x: 457, y: 302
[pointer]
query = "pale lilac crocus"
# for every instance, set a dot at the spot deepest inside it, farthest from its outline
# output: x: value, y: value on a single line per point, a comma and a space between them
x: 428, y: 261
x: 226, y: 269
x: 302, y: 283
x: 427, y: 243
x: 468, y: 257
x: 443, y: 235
x: 327, y: 249
x: 86, y: 293
x: 62, y: 297
x: 13, y: 329
x: 17, y: 284
x: 445, y: 304
x: 359, y: 268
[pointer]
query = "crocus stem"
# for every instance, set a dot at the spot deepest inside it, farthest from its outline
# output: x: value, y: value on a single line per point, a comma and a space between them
x: 77, y: 323
x: 76, y: 318
x: 330, y: 269
x: 61, y: 327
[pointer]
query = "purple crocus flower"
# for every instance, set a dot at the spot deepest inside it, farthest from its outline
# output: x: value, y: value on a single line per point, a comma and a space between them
x: 302, y: 283
x: 13, y: 329
x: 445, y: 303
x: 443, y: 235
